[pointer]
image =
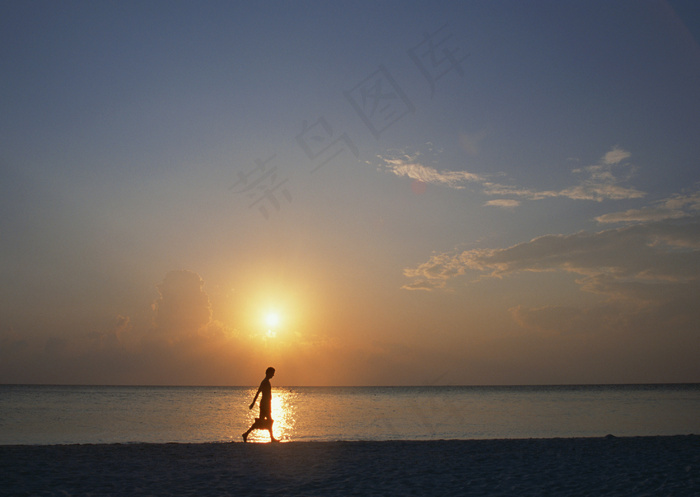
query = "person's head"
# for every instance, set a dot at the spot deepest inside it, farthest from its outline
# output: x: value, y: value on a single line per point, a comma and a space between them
x: 270, y: 372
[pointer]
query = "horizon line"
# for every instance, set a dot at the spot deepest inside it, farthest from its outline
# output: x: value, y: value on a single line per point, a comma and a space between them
x: 521, y: 385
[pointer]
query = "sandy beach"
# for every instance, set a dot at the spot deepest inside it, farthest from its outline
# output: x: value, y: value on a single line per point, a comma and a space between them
x: 558, y: 467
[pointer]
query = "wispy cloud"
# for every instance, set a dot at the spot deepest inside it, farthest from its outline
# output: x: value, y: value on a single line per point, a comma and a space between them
x: 601, y: 181
x: 615, y: 156
x: 675, y: 207
x: 435, y: 272
x: 504, y: 202
x: 408, y: 166
x: 497, y: 189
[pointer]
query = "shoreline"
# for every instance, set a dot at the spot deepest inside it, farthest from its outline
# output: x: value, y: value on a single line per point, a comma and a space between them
x: 332, y: 442
x: 648, y: 465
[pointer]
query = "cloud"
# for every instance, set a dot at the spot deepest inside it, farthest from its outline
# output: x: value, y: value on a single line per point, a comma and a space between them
x: 503, y: 202
x: 600, y: 181
x: 497, y: 189
x: 611, y: 261
x: 615, y: 156
x: 179, y: 343
x: 423, y: 284
x: 183, y: 306
x: 435, y: 272
x: 408, y: 166
x: 641, y: 324
x: 675, y: 207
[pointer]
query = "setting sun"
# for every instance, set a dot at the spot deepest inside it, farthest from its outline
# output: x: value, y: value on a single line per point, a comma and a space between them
x: 272, y: 319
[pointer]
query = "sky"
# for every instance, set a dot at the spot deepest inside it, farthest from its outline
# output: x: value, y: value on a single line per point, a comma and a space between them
x: 356, y: 193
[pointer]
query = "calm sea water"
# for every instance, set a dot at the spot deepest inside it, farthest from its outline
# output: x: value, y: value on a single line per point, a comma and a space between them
x: 71, y: 414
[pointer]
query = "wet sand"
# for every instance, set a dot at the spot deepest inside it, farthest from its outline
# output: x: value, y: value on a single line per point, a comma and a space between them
x: 633, y: 466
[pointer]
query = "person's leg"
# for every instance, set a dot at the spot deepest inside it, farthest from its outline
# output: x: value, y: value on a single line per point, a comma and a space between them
x: 245, y: 435
x: 272, y: 437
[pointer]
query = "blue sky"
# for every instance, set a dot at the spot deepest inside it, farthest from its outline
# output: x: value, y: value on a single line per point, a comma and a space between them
x: 481, y: 192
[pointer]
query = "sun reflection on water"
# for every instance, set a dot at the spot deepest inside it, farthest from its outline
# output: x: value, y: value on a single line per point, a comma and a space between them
x: 284, y: 414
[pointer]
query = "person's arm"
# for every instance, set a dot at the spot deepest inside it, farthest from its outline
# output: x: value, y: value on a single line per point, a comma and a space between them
x: 256, y: 396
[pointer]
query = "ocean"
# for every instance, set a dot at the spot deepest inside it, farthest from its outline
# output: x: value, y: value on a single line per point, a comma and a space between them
x: 33, y: 414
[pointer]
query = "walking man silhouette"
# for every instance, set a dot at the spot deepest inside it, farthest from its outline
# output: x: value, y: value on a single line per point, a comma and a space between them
x: 264, y: 422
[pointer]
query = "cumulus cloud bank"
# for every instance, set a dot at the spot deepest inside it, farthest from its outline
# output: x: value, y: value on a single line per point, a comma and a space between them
x: 646, y: 277
x: 650, y: 253
x: 179, y: 343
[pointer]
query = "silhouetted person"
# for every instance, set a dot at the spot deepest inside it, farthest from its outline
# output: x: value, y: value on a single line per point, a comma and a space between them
x: 265, y: 420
